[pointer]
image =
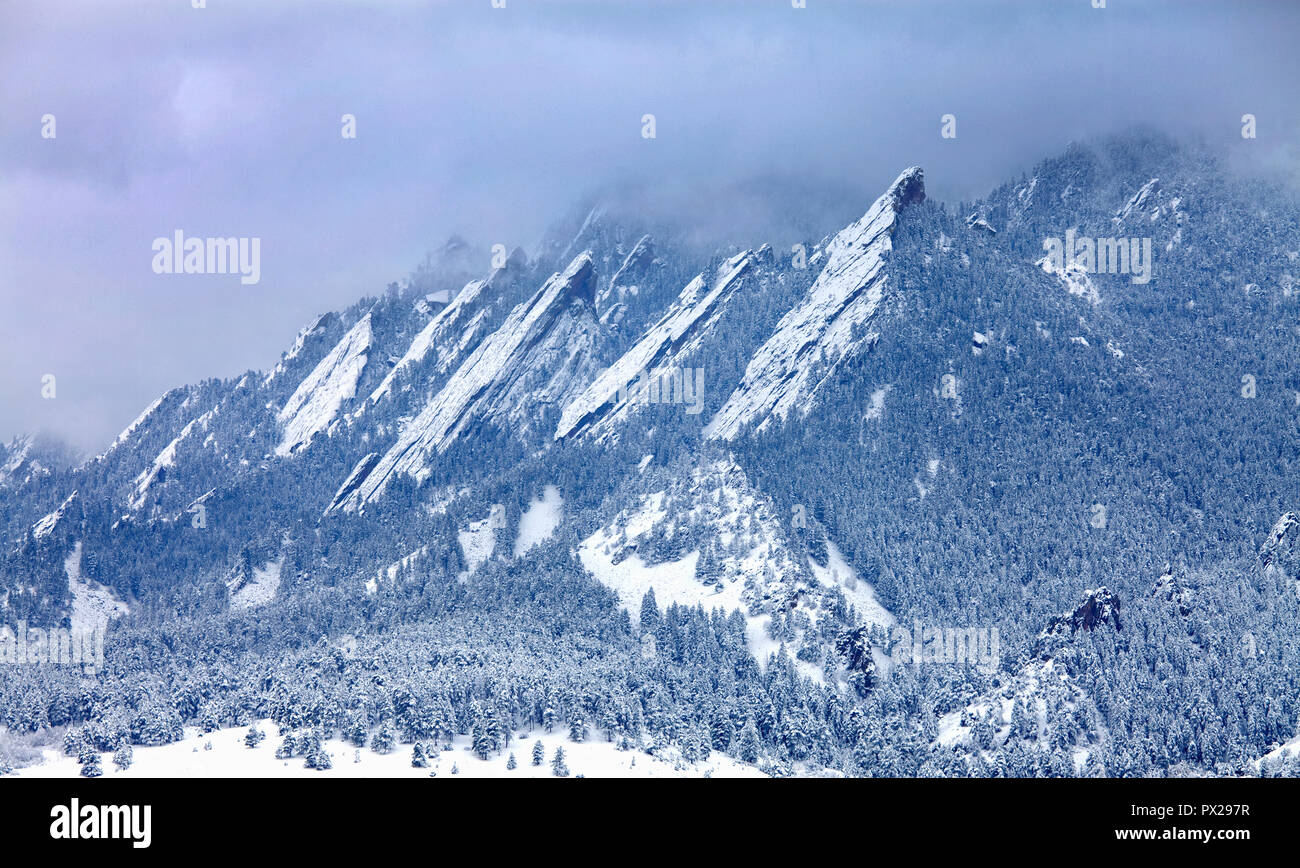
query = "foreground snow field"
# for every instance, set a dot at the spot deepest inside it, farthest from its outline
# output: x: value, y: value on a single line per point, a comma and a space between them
x: 228, y: 757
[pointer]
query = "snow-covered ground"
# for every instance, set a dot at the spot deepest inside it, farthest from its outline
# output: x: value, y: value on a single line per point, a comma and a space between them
x: 1274, y: 758
x: 228, y: 757
x: 478, y: 541
x: 754, y: 569
x: 840, y: 573
x: 93, y: 604
x: 260, y: 589
x: 540, y: 520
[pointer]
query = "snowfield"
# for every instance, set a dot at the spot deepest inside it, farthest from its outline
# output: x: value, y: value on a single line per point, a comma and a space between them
x: 540, y: 521
x: 479, y: 540
x: 223, y: 754
x: 93, y: 604
x: 260, y: 589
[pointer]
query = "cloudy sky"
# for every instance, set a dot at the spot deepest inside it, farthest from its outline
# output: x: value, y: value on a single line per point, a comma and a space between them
x: 493, y: 122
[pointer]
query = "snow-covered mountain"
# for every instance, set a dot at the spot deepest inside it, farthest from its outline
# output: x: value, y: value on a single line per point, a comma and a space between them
x: 919, y: 420
x: 828, y: 324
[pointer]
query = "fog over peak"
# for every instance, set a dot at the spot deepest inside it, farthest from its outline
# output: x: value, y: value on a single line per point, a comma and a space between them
x: 771, y: 123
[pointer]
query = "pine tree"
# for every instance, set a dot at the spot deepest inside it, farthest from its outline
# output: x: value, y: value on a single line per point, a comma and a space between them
x: 649, y: 612
x: 418, y: 760
x: 123, y: 756
x: 558, y: 768
x: 510, y: 763
x: 749, y: 745
x: 90, y: 765
x: 539, y: 753
x: 383, y: 741
x: 254, y: 736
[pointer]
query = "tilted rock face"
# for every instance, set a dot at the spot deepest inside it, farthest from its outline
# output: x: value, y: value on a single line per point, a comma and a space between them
x: 811, y: 340
x: 539, y: 357
x: 1281, y: 551
x: 658, y: 353
x: 316, y: 403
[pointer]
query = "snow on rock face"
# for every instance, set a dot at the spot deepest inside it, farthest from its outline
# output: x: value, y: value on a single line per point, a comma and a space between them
x: 638, y: 260
x: 540, y: 355
x: 1281, y: 551
x: 845, y: 296
x: 437, y: 335
x: 318, y: 399
x: 130, y: 430
x: 696, y: 310
x: 1075, y: 277
x: 1099, y: 608
x: 46, y: 525
x: 315, y: 326
x: 540, y: 520
x: 1139, y: 200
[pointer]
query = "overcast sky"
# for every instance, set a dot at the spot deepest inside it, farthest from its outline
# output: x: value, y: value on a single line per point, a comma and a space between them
x: 492, y: 122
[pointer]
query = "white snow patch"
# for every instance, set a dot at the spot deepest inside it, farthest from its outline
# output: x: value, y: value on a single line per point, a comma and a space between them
x: 540, y: 520
x: 93, y: 604
x: 1075, y: 277
x: 839, y: 573
x: 260, y: 588
x: 877, y: 407
x: 229, y: 757
x: 478, y: 541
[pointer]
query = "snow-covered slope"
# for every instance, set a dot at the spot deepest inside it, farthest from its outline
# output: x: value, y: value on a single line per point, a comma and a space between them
x: 316, y: 402
x: 601, y: 406
x: 540, y: 520
x: 539, y: 356
x: 166, y: 458
x: 811, y: 339
x: 249, y: 592
x: 93, y: 604
x: 713, y: 540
